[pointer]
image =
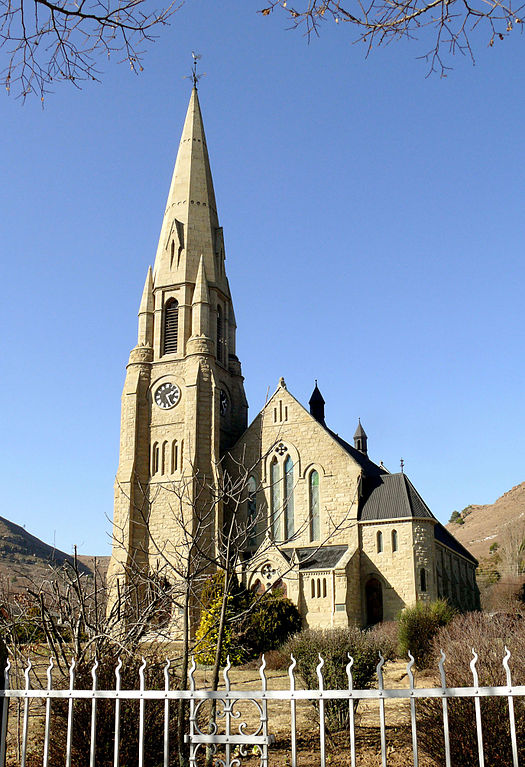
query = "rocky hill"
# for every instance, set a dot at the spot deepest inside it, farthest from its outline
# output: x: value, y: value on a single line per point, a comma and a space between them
x: 498, y: 525
x: 26, y: 561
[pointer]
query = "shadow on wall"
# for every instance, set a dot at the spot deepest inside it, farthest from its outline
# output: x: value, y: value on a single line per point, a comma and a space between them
x: 379, y: 600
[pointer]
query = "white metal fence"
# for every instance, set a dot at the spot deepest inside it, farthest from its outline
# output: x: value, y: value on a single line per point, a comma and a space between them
x: 231, y: 741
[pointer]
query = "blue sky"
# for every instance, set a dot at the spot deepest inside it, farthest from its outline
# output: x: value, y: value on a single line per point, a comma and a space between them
x: 374, y: 232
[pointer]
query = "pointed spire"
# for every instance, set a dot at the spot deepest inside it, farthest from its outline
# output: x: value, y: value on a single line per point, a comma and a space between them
x: 360, y: 439
x: 201, y: 294
x: 317, y: 404
x: 200, y: 312
x: 190, y: 226
x: 146, y: 310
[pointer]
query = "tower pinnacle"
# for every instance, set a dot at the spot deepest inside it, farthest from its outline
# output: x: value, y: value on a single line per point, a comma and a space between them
x: 190, y: 227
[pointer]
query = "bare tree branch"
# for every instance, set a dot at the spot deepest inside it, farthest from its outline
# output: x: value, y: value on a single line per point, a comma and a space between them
x: 377, y: 22
x: 48, y: 42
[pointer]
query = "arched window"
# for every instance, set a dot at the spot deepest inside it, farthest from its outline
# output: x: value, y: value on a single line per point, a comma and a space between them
x: 252, y: 510
x: 315, y: 532
x: 220, y: 335
x: 174, y: 456
x: 171, y: 326
x: 181, y: 453
x: 318, y: 587
x: 379, y: 542
x: 275, y: 499
x: 155, y: 458
x: 423, y: 579
x: 164, y: 458
x: 394, y: 540
x: 288, y: 498
x: 324, y: 587
x: 313, y: 587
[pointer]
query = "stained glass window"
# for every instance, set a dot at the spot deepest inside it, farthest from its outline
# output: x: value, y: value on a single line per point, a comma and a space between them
x: 315, y: 527
x: 288, y: 498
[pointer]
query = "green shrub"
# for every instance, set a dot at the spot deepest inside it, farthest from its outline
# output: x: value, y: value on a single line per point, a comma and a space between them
x: 334, y: 645
x: 253, y: 624
x: 273, y: 620
x: 418, y: 626
x: 208, y: 632
x: 488, y: 636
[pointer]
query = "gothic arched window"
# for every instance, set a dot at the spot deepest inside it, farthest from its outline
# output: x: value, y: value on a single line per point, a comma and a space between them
x: 174, y: 456
x: 171, y: 327
x: 315, y: 531
x: 220, y: 335
x: 395, y: 543
x: 275, y: 498
x: 155, y: 458
x: 288, y: 510
x: 252, y: 510
x: 379, y: 542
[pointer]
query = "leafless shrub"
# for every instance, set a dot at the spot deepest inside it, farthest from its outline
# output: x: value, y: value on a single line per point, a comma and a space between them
x: 488, y: 636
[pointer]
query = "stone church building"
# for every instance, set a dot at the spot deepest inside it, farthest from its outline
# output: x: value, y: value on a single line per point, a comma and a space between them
x: 348, y: 541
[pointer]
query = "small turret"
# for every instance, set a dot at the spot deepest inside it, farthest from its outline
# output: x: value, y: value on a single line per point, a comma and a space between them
x: 317, y: 403
x: 360, y: 439
x: 201, y: 304
x: 146, y: 310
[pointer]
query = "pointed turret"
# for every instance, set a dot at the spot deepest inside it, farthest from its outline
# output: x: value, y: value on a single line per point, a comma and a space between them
x: 317, y: 403
x: 191, y: 226
x: 201, y: 304
x: 146, y: 312
x: 360, y: 439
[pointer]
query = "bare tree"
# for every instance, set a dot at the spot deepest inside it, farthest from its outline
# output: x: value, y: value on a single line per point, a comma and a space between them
x: 451, y: 23
x: 48, y: 41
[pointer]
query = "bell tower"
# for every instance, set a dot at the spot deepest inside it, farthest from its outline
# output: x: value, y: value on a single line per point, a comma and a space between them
x: 183, y: 403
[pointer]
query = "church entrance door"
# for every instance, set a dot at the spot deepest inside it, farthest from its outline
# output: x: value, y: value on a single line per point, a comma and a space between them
x: 374, y: 601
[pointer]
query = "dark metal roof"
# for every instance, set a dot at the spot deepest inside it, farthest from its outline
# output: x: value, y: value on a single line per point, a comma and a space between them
x: 359, y: 432
x: 369, y: 467
x: 442, y: 535
x: 318, y: 557
x: 391, y: 496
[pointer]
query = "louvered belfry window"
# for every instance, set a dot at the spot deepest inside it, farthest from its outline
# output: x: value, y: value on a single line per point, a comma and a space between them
x: 171, y: 326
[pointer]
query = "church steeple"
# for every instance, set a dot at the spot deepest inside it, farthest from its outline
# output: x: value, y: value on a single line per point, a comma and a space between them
x: 360, y: 439
x: 190, y: 228
x: 317, y: 403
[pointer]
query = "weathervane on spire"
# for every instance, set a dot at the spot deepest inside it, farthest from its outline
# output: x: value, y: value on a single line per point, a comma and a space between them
x: 402, y: 466
x: 194, y: 76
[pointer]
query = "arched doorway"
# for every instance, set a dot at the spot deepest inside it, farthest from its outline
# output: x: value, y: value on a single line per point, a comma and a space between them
x: 374, y: 601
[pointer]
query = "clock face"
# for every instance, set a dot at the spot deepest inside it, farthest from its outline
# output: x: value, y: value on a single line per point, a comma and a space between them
x: 223, y: 402
x: 167, y: 395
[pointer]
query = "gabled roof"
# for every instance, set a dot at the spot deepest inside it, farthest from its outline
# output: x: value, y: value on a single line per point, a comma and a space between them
x: 317, y: 557
x: 393, y: 496
x: 370, y: 468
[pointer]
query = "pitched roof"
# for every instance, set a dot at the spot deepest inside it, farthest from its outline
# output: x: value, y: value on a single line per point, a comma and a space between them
x: 442, y: 535
x: 369, y: 467
x: 317, y: 557
x: 393, y: 496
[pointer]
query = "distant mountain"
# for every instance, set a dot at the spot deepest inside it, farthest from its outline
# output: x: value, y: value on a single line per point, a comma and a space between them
x: 480, y: 527
x: 26, y: 561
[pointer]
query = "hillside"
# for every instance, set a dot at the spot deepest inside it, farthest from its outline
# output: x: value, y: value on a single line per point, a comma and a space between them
x: 25, y: 560
x: 483, y: 526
